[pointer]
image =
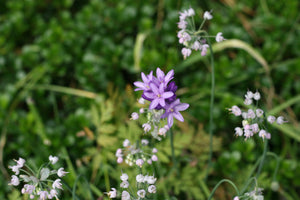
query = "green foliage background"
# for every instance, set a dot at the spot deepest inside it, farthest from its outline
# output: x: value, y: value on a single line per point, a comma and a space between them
x: 67, y: 69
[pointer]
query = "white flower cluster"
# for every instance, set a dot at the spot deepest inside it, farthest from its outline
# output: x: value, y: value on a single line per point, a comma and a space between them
x: 189, y: 37
x: 136, y: 155
x: 253, y: 118
x: 37, y: 184
x: 154, y: 123
x: 145, y: 184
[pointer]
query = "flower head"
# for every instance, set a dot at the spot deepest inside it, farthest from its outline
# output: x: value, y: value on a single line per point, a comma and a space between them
x: 173, y: 110
x: 219, y: 37
x: 53, y: 159
x: 207, y: 15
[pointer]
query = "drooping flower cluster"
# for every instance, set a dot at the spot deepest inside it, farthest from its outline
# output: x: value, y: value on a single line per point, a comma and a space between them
x: 161, y: 93
x: 37, y: 184
x: 253, y: 118
x: 256, y: 194
x: 136, y: 154
x: 192, y: 38
x: 145, y: 187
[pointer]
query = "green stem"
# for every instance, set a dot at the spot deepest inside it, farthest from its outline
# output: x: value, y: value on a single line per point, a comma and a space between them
x: 172, y: 150
x: 262, y: 159
x: 220, y: 182
x: 212, y: 97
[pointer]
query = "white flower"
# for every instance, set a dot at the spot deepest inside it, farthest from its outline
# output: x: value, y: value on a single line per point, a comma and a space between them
x: 15, y: 169
x: 256, y: 96
x: 119, y: 160
x: 124, y: 184
x: 236, y: 198
x: 20, y: 162
x: 271, y: 119
x: 219, y: 37
x: 141, y: 100
x: 186, y: 52
x: 53, y: 193
x: 140, y: 178
x: 43, y: 194
x: 119, y: 152
x: 14, y: 180
x: 53, y: 159
x: 126, y: 143
x: 144, y: 142
x: 152, y: 189
x: 61, y: 172
x: 259, y: 112
x: 280, y: 120
x: 235, y: 110
x: 248, y: 133
x: 142, y: 110
x: 191, y: 12
x: 141, y: 193
x: 150, y: 179
x: 57, y: 184
x: 154, y: 150
x: 154, y: 158
x: 112, y: 193
x: 147, y: 127
x: 139, y: 162
x: 250, y: 114
x: 263, y: 134
x: 182, y: 24
x: 248, y: 101
x: 28, y: 189
x: 254, y: 128
x: 125, y: 195
x: 134, y: 116
x: 196, y: 45
x: 207, y: 15
x: 249, y: 95
x: 204, y: 49
x: 238, y: 131
x: 124, y: 177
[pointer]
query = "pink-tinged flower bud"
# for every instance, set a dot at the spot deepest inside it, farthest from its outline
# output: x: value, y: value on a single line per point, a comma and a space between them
x: 119, y: 160
x: 139, y: 162
x: 134, y: 116
x: 154, y: 158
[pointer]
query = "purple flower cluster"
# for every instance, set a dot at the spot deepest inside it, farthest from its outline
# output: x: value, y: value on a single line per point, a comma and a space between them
x: 161, y: 94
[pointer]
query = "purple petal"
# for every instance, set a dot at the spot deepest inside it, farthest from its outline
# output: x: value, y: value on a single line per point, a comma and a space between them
x: 169, y: 76
x: 140, y: 85
x: 153, y: 104
x: 154, y: 88
x: 166, y: 95
x: 162, y: 102
x: 182, y: 107
x: 144, y: 78
x: 149, y: 95
x: 160, y: 74
x: 170, y: 120
x: 178, y: 116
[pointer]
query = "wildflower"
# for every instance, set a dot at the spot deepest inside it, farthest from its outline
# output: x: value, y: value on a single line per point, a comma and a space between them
x: 164, y: 79
x: 250, y: 114
x: 141, y: 100
x: 280, y: 120
x: 142, y: 110
x: 271, y: 119
x: 124, y: 184
x: 140, y: 178
x: 207, y: 15
x: 53, y: 193
x: 235, y: 110
x: 248, y: 101
x: 172, y: 110
x: 147, y: 127
x: 190, y: 12
x: 20, y: 162
x: 53, y: 159
x: 43, y: 194
x: 259, y: 112
x: 204, y: 49
x: 256, y: 96
x: 124, y: 177
x: 15, y: 169
x: 141, y: 193
x: 219, y: 37
x: 144, y: 142
x: 113, y: 193
x: 154, y: 150
x: 183, y: 37
x: 263, y: 134
x: 61, y: 172
x: 196, y: 45
x: 254, y: 128
x: 14, y: 180
x: 146, y: 81
x: 119, y: 152
x: 186, y: 52
x: 28, y: 189
x: 152, y: 189
x: 182, y: 24
x: 139, y: 162
x: 154, y: 158
x: 150, y: 179
x: 249, y: 95
x: 134, y: 116
x: 238, y: 131
x: 125, y: 195
x: 236, y: 198
x: 57, y: 184
x: 126, y: 143
x: 119, y: 160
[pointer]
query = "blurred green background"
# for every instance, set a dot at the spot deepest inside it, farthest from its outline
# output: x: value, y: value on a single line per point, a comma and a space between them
x: 66, y: 73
